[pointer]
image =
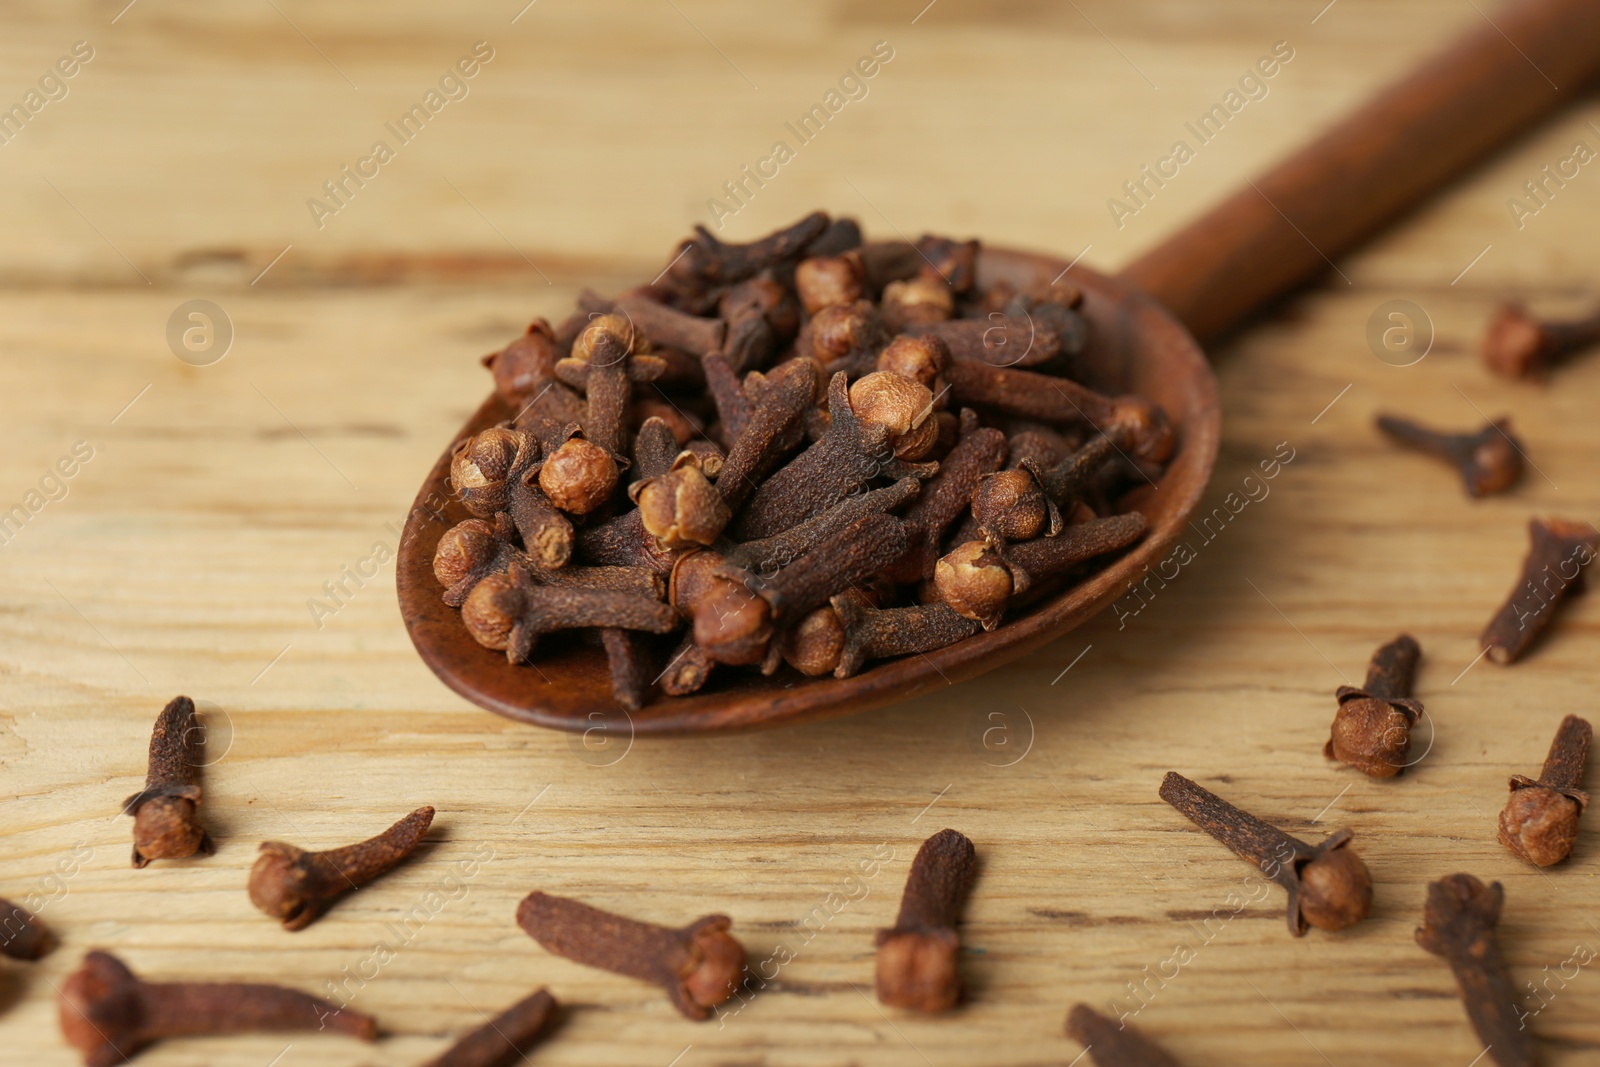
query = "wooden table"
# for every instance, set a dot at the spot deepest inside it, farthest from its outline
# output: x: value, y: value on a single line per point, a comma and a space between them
x: 221, y: 502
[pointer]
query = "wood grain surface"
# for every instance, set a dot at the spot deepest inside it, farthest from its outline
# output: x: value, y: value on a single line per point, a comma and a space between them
x: 220, y: 503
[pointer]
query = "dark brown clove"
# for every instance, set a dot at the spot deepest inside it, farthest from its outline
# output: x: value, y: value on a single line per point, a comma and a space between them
x: 607, y: 358
x: 624, y: 542
x: 703, y: 262
x: 1329, y: 887
x: 999, y: 340
x: 108, y: 1013
x: 504, y: 1039
x: 1540, y: 821
x: 768, y: 554
x: 1518, y: 345
x: 1372, y: 728
x: 579, y: 476
x: 1067, y: 481
x: 1050, y: 399
x: 954, y: 261
x: 1458, y: 924
x: 296, y: 886
x: 681, y: 508
x: 1559, y: 549
x: 1489, y: 461
x: 855, y: 449
x: 1113, y: 1044
x: 737, y: 613
x: 841, y: 637
x: 918, y: 957
x: 527, y: 365
x: 166, y: 819
x: 631, y: 665
x: 655, y: 446
x: 687, y: 670
x: 1011, y: 505
x: 23, y: 935
x: 947, y: 494
x: 668, y: 327
x: 509, y: 612
x: 828, y: 281
x: 497, y: 471
x: 978, y: 578
x: 914, y: 304
x: 472, y: 550
x: 782, y: 401
x: 699, y: 965
x: 844, y: 337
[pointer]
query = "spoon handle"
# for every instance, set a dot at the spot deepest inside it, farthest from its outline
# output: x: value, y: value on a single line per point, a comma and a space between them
x: 1516, y: 65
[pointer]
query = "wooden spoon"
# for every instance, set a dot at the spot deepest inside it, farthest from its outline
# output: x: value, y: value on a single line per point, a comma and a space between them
x: 1407, y: 142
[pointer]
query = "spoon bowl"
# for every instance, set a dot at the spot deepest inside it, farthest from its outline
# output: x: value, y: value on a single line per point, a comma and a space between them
x: 1135, y: 346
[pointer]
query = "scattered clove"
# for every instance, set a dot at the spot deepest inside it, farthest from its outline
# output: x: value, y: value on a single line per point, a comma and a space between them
x: 1458, y: 924
x: 296, y: 886
x: 917, y: 958
x: 108, y: 1013
x: 506, y: 1038
x: 1489, y: 461
x: 1521, y: 346
x: 699, y: 966
x: 1540, y: 821
x: 166, y: 819
x: 1113, y: 1044
x: 1372, y: 728
x: 23, y: 935
x: 1558, y: 551
x: 1329, y: 887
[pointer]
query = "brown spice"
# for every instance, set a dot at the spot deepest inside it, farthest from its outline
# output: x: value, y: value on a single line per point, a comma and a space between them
x: 1042, y: 396
x: 699, y: 965
x: 504, y: 1039
x: 1329, y: 887
x: 23, y: 935
x: 703, y: 262
x: 843, y: 636
x: 681, y: 509
x: 166, y: 818
x: 1458, y: 925
x: 607, y: 358
x: 1372, y: 728
x: 296, y: 886
x: 1521, y: 346
x: 917, y: 958
x: 1113, y: 1044
x: 979, y: 451
x: 1540, y: 821
x: 1489, y: 461
x: 579, y: 476
x: 670, y: 328
x: 631, y: 665
x: 109, y: 1014
x: 1553, y: 570
x: 509, y: 612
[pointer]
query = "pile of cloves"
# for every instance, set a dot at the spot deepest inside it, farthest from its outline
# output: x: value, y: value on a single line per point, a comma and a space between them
x: 809, y: 449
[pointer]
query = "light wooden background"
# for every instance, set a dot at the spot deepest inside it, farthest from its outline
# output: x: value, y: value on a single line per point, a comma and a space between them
x: 184, y: 553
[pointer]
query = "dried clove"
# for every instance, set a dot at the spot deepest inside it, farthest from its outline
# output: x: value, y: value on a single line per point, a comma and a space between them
x: 631, y: 665
x: 23, y: 935
x: 108, y: 1013
x: 841, y: 637
x: 607, y: 358
x: 296, y: 886
x: 579, y: 476
x: 668, y: 327
x: 1031, y: 395
x: 703, y: 262
x: 166, y: 819
x: 917, y: 303
x: 699, y: 965
x: 828, y: 281
x: 1521, y: 346
x: 736, y: 613
x: 784, y: 397
x: 978, y: 578
x: 497, y: 471
x: 509, y: 612
x: 1489, y: 461
x: 1329, y: 887
x: 999, y: 340
x: 843, y: 337
x: 504, y: 1039
x: 1372, y: 728
x: 917, y: 958
x: 1559, y: 549
x: 1458, y: 924
x: 855, y: 449
x: 1011, y: 505
x: 947, y: 494
x: 655, y: 446
x: 1113, y: 1044
x: 681, y: 508
x: 1540, y: 821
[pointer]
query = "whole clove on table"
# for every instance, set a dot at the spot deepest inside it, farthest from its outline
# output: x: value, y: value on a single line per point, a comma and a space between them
x: 794, y: 450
